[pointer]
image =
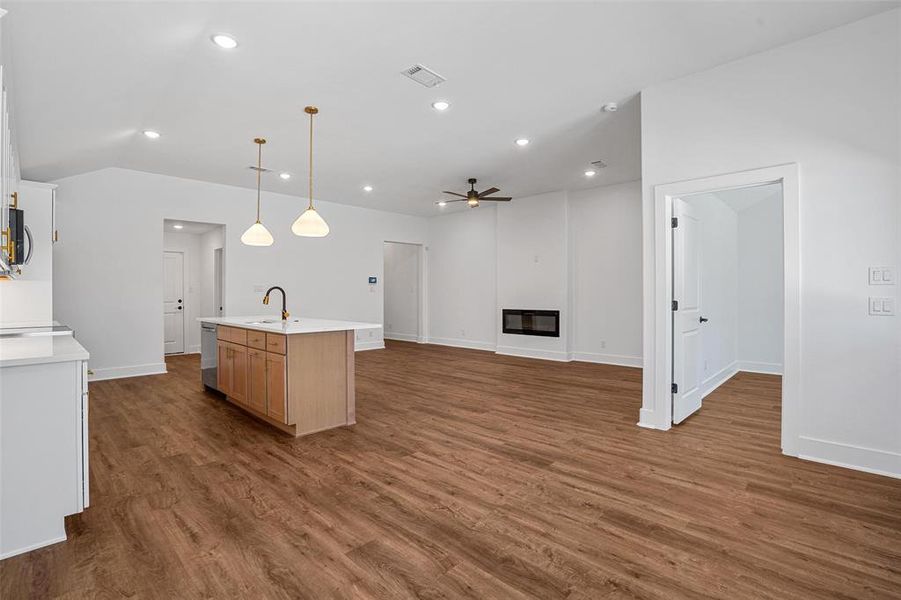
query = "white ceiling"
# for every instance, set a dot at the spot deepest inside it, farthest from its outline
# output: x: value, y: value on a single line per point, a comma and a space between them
x: 88, y: 77
x: 740, y: 199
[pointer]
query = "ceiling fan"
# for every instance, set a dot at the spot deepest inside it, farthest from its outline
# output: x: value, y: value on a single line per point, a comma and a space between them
x: 472, y: 197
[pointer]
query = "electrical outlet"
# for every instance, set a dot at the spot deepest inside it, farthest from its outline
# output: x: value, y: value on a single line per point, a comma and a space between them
x: 462, y: 333
x: 603, y: 344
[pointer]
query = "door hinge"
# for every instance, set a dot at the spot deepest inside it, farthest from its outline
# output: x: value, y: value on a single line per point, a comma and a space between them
x: 674, y: 388
x: 674, y: 222
x: 675, y: 305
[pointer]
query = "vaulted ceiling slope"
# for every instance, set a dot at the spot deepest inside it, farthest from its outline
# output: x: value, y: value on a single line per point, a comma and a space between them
x: 90, y: 76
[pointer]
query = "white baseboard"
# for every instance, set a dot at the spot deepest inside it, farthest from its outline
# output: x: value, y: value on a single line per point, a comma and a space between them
x: 556, y: 355
x: 718, y: 378
x: 31, y: 547
x: 369, y: 345
x: 195, y: 349
x: 646, y: 418
x: 608, y: 359
x: 131, y: 371
x: 455, y: 343
x: 849, y: 456
x: 401, y: 337
x: 749, y: 366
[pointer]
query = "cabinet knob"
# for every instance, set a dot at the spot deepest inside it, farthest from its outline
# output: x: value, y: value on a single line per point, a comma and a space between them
x: 179, y: 308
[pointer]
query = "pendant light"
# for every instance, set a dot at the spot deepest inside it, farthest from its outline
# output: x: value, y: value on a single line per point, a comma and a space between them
x: 310, y: 224
x: 257, y: 234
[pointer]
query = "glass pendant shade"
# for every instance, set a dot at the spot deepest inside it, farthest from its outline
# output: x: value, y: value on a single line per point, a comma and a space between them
x: 310, y: 224
x: 257, y: 235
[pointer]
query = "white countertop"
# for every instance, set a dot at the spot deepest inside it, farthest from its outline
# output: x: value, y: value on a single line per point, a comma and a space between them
x: 291, y: 326
x: 16, y: 352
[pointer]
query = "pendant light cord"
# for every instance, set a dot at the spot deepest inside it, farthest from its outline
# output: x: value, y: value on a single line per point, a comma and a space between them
x: 259, y: 174
x: 311, y: 161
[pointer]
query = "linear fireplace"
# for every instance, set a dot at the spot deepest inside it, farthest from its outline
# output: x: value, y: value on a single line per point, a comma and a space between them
x: 531, y: 322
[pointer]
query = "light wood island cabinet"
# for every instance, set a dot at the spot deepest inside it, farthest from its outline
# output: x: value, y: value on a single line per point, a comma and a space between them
x: 299, y: 382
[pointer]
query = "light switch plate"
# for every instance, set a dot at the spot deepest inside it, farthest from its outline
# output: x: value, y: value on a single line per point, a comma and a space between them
x: 882, y: 275
x: 882, y: 307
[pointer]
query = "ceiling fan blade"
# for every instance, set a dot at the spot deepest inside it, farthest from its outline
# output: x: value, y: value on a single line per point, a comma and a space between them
x: 495, y: 199
x: 449, y: 201
x: 488, y: 192
x: 454, y: 194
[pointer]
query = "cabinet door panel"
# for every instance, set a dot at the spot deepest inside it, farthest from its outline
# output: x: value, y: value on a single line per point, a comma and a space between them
x: 277, y: 387
x: 257, y: 374
x: 239, y: 373
x: 223, y: 368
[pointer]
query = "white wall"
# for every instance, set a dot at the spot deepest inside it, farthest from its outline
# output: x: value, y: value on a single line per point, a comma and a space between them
x: 605, y: 268
x: 588, y: 246
x: 189, y: 245
x: 107, y: 265
x: 760, y: 286
x: 719, y: 288
x: 401, y: 284
x: 532, y: 269
x: 830, y: 104
x: 462, y: 268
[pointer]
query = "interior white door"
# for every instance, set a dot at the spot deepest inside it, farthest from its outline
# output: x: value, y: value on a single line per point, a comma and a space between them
x: 687, y: 312
x: 173, y: 302
x: 217, y: 285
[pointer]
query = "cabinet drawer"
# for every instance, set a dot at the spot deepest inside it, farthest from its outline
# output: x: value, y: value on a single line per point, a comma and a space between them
x: 256, y: 339
x: 276, y: 343
x: 232, y: 334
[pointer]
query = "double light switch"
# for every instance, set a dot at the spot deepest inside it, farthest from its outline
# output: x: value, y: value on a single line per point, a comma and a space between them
x: 882, y: 306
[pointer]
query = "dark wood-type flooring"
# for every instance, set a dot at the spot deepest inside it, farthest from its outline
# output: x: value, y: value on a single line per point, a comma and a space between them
x: 468, y: 475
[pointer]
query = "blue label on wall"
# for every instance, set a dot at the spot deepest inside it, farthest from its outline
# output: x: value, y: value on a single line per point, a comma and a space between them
x: 373, y: 280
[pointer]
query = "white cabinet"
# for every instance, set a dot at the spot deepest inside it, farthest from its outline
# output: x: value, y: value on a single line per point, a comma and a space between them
x: 43, y: 442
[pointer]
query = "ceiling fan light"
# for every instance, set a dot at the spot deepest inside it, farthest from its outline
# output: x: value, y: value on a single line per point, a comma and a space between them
x: 257, y: 235
x: 310, y: 224
x: 473, y: 202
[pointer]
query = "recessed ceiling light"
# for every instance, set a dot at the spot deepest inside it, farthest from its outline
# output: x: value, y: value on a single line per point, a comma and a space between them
x: 590, y: 173
x: 441, y: 105
x: 151, y: 134
x: 225, y: 41
x: 522, y: 142
x: 178, y: 227
x: 285, y: 176
x: 367, y: 188
x: 442, y: 203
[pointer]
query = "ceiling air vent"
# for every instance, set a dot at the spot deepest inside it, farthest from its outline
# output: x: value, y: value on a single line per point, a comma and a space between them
x: 599, y: 164
x: 423, y: 76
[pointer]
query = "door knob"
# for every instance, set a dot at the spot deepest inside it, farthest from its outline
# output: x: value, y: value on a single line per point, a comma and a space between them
x: 703, y: 319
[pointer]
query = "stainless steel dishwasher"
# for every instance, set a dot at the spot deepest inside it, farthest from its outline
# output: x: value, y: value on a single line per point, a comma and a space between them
x: 208, y: 356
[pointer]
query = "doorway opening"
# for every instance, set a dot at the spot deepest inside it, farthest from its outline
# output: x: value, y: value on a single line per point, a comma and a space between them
x: 727, y: 289
x: 193, y: 281
x: 659, y: 387
x: 403, y: 291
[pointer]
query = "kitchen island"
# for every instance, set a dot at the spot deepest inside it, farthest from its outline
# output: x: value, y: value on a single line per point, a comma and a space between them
x: 295, y: 374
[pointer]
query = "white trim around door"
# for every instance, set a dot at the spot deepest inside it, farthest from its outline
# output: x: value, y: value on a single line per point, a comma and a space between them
x: 656, y: 411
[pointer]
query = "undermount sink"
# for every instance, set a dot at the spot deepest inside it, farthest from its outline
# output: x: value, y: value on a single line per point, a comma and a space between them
x: 270, y: 321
